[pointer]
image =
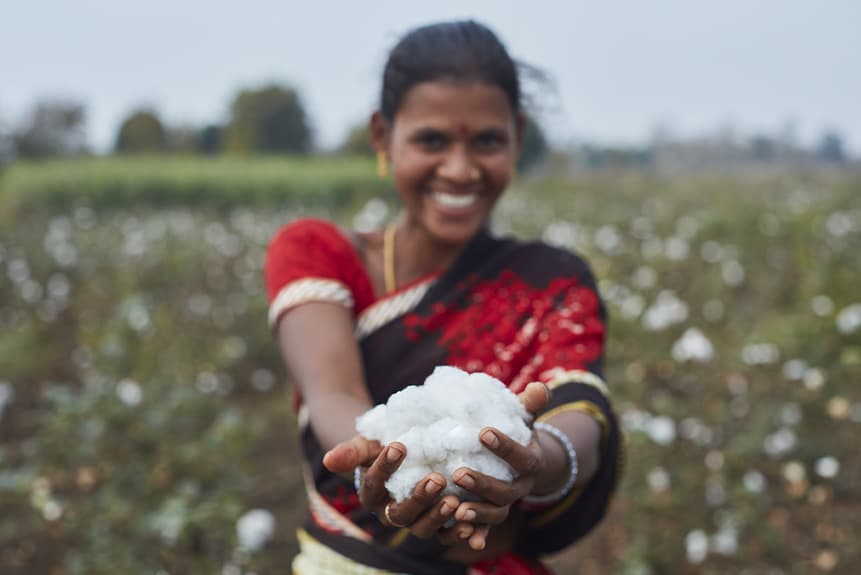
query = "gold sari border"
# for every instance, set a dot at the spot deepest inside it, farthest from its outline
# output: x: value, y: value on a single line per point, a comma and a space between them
x: 558, y: 378
x: 315, y: 558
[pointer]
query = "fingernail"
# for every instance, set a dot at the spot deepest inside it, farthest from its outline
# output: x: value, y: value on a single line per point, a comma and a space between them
x: 466, y: 481
x: 469, y: 515
x: 465, y: 532
x: 489, y: 438
x: 393, y: 454
x: 432, y: 486
x: 446, y: 508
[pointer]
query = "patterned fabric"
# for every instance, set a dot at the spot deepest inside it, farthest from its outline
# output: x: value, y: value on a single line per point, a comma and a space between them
x: 387, y: 309
x: 314, y: 558
x: 308, y: 290
x: 521, y: 312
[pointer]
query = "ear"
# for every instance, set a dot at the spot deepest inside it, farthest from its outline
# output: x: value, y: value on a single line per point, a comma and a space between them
x: 380, y: 131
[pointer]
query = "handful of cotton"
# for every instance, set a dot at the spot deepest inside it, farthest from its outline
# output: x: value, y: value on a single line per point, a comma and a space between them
x: 439, y: 423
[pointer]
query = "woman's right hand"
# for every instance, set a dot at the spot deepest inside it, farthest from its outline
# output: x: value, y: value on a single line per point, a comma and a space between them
x: 424, y: 513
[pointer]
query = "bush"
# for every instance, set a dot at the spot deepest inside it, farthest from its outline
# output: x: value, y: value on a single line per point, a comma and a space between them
x: 116, y: 183
x: 143, y: 407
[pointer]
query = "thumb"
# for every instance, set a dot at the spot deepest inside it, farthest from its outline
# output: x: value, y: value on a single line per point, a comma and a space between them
x: 534, y: 397
x: 350, y: 454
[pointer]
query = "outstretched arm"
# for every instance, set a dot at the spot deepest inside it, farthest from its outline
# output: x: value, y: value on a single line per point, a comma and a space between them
x: 318, y: 346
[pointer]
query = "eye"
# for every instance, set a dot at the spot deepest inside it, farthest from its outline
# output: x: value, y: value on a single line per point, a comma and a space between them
x: 489, y: 141
x: 431, y: 140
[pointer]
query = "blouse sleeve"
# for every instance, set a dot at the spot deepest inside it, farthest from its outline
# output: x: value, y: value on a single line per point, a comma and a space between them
x: 311, y: 260
x: 569, y: 360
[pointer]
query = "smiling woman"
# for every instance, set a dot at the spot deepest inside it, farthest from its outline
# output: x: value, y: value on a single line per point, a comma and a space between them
x: 360, y: 316
x: 453, y: 145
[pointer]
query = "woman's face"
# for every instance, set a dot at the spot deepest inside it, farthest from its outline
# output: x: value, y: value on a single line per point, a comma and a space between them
x: 452, y: 148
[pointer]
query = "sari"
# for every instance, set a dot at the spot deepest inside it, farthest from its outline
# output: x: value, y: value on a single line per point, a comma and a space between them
x: 518, y: 311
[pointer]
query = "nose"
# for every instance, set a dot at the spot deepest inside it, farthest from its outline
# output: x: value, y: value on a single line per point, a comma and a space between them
x: 459, y: 167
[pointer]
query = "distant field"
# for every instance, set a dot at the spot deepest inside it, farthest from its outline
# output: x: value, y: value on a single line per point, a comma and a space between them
x: 144, y: 408
x: 188, y: 181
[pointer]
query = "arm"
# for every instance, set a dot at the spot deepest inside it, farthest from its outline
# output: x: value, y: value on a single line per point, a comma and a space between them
x: 585, y: 435
x: 311, y: 278
x: 317, y: 344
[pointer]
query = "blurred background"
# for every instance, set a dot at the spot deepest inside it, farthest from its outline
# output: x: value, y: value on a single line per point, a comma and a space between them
x: 703, y: 157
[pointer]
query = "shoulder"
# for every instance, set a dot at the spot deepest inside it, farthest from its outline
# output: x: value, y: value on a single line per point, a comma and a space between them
x: 314, y: 249
x: 314, y: 242
x: 304, y: 230
x: 541, y: 260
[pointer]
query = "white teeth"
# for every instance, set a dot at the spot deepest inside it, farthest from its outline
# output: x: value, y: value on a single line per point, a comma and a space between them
x: 455, y: 201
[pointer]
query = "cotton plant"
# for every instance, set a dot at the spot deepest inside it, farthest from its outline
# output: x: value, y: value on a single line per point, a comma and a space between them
x: 439, y: 423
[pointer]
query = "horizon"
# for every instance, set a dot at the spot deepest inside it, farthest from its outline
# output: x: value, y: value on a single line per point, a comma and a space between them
x: 622, y: 72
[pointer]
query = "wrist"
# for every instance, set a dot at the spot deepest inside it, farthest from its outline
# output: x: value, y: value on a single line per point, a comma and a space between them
x: 560, y: 469
x: 554, y: 464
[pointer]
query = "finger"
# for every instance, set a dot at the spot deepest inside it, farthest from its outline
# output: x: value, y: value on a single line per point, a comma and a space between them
x: 374, y: 492
x: 491, y: 489
x: 460, y: 531
x: 482, y: 513
x: 525, y: 459
x: 350, y: 454
x: 534, y: 397
x: 424, y: 495
x: 431, y: 522
x: 478, y: 539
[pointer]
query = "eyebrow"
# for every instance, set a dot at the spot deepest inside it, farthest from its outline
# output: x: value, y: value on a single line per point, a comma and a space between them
x: 493, y: 131
x: 460, y: 131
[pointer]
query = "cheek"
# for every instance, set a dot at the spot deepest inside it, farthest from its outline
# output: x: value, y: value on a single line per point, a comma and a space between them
x: 411, y: 168
x: 499, y: 171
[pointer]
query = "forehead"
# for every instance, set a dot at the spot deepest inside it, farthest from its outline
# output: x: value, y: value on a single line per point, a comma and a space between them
x: 450, y: 104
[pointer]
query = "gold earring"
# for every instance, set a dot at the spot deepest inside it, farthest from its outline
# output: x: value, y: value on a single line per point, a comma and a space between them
x: 382, y: 165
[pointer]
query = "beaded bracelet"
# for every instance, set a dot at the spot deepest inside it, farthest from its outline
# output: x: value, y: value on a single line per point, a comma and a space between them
x: 357, y: 479
x: 572, y: 460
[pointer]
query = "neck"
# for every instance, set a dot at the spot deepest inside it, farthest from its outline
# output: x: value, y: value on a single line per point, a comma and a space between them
x: 417, y: 254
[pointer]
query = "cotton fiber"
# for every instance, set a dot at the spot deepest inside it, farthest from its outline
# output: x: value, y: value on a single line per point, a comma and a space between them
x: 439, y: 423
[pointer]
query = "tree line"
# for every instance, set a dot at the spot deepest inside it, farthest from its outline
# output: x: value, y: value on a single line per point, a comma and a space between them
x: 270, y: 119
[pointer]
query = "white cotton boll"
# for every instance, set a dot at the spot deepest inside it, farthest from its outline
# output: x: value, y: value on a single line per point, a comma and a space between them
x: 374, y: 418
x: 407, y: 478
x: 255, y: 528
x: 439, y: 424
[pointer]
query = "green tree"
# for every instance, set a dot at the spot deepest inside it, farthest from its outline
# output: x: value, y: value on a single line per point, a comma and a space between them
x: 55, y: 128
x: 269, y: 119
x: 831, y: 148
x: 6, y: 143
x: 209, y: 139
x: 535, y: 145
x: 357, y: 142
x: 141, y: 133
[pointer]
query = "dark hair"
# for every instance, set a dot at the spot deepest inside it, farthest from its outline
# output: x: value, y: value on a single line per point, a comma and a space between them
x: 461, y: 51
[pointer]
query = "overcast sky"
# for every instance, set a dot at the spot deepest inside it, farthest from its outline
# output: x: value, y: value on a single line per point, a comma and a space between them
x: 621, y: 68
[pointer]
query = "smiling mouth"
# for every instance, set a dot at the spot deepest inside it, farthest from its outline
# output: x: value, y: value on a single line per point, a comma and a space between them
x: 454, y: 200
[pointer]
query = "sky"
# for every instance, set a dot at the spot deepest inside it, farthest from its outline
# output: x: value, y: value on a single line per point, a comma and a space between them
x: 620, y: 69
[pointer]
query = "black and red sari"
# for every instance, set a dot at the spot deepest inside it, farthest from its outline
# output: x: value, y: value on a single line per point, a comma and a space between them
x: 520, y: 312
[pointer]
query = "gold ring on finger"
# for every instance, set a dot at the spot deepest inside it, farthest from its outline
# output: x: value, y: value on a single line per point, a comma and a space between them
x: 388, y: 513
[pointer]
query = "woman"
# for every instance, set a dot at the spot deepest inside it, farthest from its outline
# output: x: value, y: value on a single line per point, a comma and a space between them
x: 360, y: 316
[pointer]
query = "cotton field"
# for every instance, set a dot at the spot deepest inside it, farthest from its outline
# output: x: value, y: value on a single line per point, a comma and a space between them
x: 146, y: 422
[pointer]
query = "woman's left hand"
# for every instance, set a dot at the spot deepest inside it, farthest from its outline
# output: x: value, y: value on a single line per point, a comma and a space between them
x: 475, y: 518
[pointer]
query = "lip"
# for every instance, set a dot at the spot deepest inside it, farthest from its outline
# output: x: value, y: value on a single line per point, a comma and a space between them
x: 455, y: 200
x: 455, y: 203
